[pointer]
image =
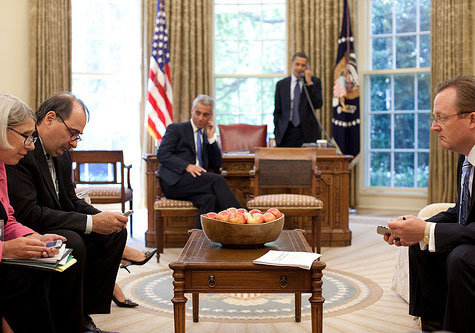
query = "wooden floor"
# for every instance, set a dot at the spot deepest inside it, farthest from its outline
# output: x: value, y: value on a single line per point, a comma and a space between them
x: 368, y: 256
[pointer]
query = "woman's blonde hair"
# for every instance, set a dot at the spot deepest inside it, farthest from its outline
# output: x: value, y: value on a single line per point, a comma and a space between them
x: 13, y: 112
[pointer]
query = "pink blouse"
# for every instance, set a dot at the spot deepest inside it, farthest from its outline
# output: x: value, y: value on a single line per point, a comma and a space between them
x: 12, y: 228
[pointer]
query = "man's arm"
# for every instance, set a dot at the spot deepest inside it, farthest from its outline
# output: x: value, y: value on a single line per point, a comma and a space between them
x: 166, y: 152
x: 277, y: 110
x: 33, y: 205
x: 315, y: 92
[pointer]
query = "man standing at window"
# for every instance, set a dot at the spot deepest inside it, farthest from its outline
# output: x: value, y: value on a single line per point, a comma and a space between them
x: 188, y: 150
x: 43, y: 196
x: 294, y: 117
x: 442, y: 249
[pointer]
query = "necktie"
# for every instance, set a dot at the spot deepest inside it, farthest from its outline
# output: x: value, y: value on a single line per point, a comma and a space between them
x: 465, y: 194
x: 295, y: 111
x: 199, y: 148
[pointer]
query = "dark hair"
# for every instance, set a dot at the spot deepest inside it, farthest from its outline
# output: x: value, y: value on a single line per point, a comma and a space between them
x: 300, y: 55
x: 465, y: 88
x: 62, y: 104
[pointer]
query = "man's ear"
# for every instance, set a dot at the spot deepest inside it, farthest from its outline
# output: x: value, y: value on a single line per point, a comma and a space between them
x: 472, y: 119
x: 50, y: 117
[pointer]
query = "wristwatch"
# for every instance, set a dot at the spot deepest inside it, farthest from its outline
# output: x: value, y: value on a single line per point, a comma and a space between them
x: 427, y: 232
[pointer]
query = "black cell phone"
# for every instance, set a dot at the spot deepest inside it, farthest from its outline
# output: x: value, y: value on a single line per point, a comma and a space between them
x: 128, y: 213
x: 55, y: 244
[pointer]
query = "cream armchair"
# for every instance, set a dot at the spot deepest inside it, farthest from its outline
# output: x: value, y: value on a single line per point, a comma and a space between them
x: 401, y: 271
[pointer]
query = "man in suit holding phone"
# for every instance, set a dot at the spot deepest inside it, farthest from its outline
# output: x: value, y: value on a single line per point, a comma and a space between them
x: 442, y: 249
x: 187, y: 151
x: 294, y: 117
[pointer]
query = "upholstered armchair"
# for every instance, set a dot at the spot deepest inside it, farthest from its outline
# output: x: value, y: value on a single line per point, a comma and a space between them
x: 242, y: 137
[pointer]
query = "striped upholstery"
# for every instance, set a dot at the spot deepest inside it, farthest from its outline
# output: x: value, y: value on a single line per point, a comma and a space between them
x: 285, y: 201
x: 165, y: 203
x: 105, y: 192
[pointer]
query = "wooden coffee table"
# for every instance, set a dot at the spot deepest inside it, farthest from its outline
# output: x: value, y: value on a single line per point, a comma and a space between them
x: 206, y: 267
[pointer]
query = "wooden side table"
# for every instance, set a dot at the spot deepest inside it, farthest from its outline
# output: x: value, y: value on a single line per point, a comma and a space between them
x: 206, y: 267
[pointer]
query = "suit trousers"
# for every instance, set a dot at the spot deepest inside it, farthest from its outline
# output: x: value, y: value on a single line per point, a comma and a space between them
x: 99, y: 258
x: 33, y: 300
x: 442, y: 286
x: 208, y: 192
x: 293, y: 136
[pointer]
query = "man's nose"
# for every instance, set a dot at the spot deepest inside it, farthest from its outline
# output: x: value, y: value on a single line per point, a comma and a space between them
x: 74, y: 143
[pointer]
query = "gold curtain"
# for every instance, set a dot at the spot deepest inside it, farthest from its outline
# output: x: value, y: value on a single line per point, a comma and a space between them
x: 451, y: 56
x: 50, y: 48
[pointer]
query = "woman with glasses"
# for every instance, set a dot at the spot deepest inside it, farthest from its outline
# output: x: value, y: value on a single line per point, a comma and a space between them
x: 31, y: 300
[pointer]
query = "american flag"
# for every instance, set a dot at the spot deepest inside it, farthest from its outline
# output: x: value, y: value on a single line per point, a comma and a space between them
x: 160, y: 98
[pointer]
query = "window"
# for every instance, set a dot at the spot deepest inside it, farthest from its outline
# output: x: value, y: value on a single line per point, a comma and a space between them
x: 397, y: 94
x: 249, y: 59
x: 106, y: 73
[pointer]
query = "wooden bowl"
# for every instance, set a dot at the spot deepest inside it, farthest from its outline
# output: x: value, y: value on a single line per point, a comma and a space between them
x: 241, y: 235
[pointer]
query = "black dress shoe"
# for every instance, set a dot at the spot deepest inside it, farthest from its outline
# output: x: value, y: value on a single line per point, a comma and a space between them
x: 89, y: 325
x: 125, y: 304
x: 431, y: 325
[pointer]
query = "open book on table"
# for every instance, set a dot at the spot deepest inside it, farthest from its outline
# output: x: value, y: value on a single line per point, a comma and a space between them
x: 283, y: 258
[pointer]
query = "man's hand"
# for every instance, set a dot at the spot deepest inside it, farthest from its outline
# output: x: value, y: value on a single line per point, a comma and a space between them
x: 25, y: 248
x: 210, y: 129
x: 194, y: 170
x: 409, y: 229
x: 108, y: 222
x: 308, y: 75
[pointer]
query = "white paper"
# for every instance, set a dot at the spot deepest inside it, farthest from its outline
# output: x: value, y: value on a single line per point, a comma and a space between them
x: 293, y: 259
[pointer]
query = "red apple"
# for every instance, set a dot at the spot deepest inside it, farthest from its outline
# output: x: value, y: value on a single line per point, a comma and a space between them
x: 242, y: 210
x: 223, y: 216
x: 231, y: 209
x: 255, y: 218
x: 237, y: 218
x: 268, y: 217
x: 275, y: 211
x: 255, y: 211
x: 247, y: 216
x: 211, y: 215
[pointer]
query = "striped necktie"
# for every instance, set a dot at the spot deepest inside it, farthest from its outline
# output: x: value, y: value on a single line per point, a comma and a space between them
x: 295, y: 108
x: 199, y: 147
x: 465, y: 193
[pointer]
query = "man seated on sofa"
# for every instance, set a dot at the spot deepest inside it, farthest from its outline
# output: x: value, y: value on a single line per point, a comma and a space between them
x: 442, y: 249
x: 187, y: 151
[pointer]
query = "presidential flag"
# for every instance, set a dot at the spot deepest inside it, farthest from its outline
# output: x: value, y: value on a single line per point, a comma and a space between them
x: 160, y: 98
x: 346, y: 93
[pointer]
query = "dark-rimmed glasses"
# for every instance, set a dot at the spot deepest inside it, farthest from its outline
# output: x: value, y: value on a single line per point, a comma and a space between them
x: 443, y: 119
x: 74, y: 137
x: 29, y: 139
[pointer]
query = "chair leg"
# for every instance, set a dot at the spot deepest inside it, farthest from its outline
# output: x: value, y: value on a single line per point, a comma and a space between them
x: 130, y: 219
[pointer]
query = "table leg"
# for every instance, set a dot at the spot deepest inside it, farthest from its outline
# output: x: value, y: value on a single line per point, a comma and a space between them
x: 196, y: 306
x: 179, y: 299
x: 298, y: 307
x: 316, y: 301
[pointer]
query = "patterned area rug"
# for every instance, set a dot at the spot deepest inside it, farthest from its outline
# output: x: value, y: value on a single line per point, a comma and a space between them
x: 343, y: 293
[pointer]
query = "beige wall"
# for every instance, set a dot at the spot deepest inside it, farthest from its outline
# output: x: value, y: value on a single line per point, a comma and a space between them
x: 14, y: 55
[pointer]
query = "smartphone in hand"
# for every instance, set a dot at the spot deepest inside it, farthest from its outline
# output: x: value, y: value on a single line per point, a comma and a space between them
x: 382, y: 230
x: 128, y: 213
x: 55, y: 244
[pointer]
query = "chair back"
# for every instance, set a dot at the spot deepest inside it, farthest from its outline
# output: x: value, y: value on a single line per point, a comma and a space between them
x: 285, y: 168
x: 242, y: 137
x: 98, y: 167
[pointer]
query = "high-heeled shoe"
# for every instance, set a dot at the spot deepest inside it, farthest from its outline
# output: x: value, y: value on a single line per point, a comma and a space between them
x: 125, y: 304
x: 148, y: 255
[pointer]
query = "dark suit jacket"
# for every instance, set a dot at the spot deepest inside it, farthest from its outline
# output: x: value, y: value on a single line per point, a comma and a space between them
x: 308, y: 123
x: 177, y: 150
x: 448, y: 232
x: 34, y: 199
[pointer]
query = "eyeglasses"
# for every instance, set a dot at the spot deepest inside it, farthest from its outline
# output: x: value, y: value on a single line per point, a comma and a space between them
x: 74, y: 137
x: 442, y: 120
x: 29, y: 139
